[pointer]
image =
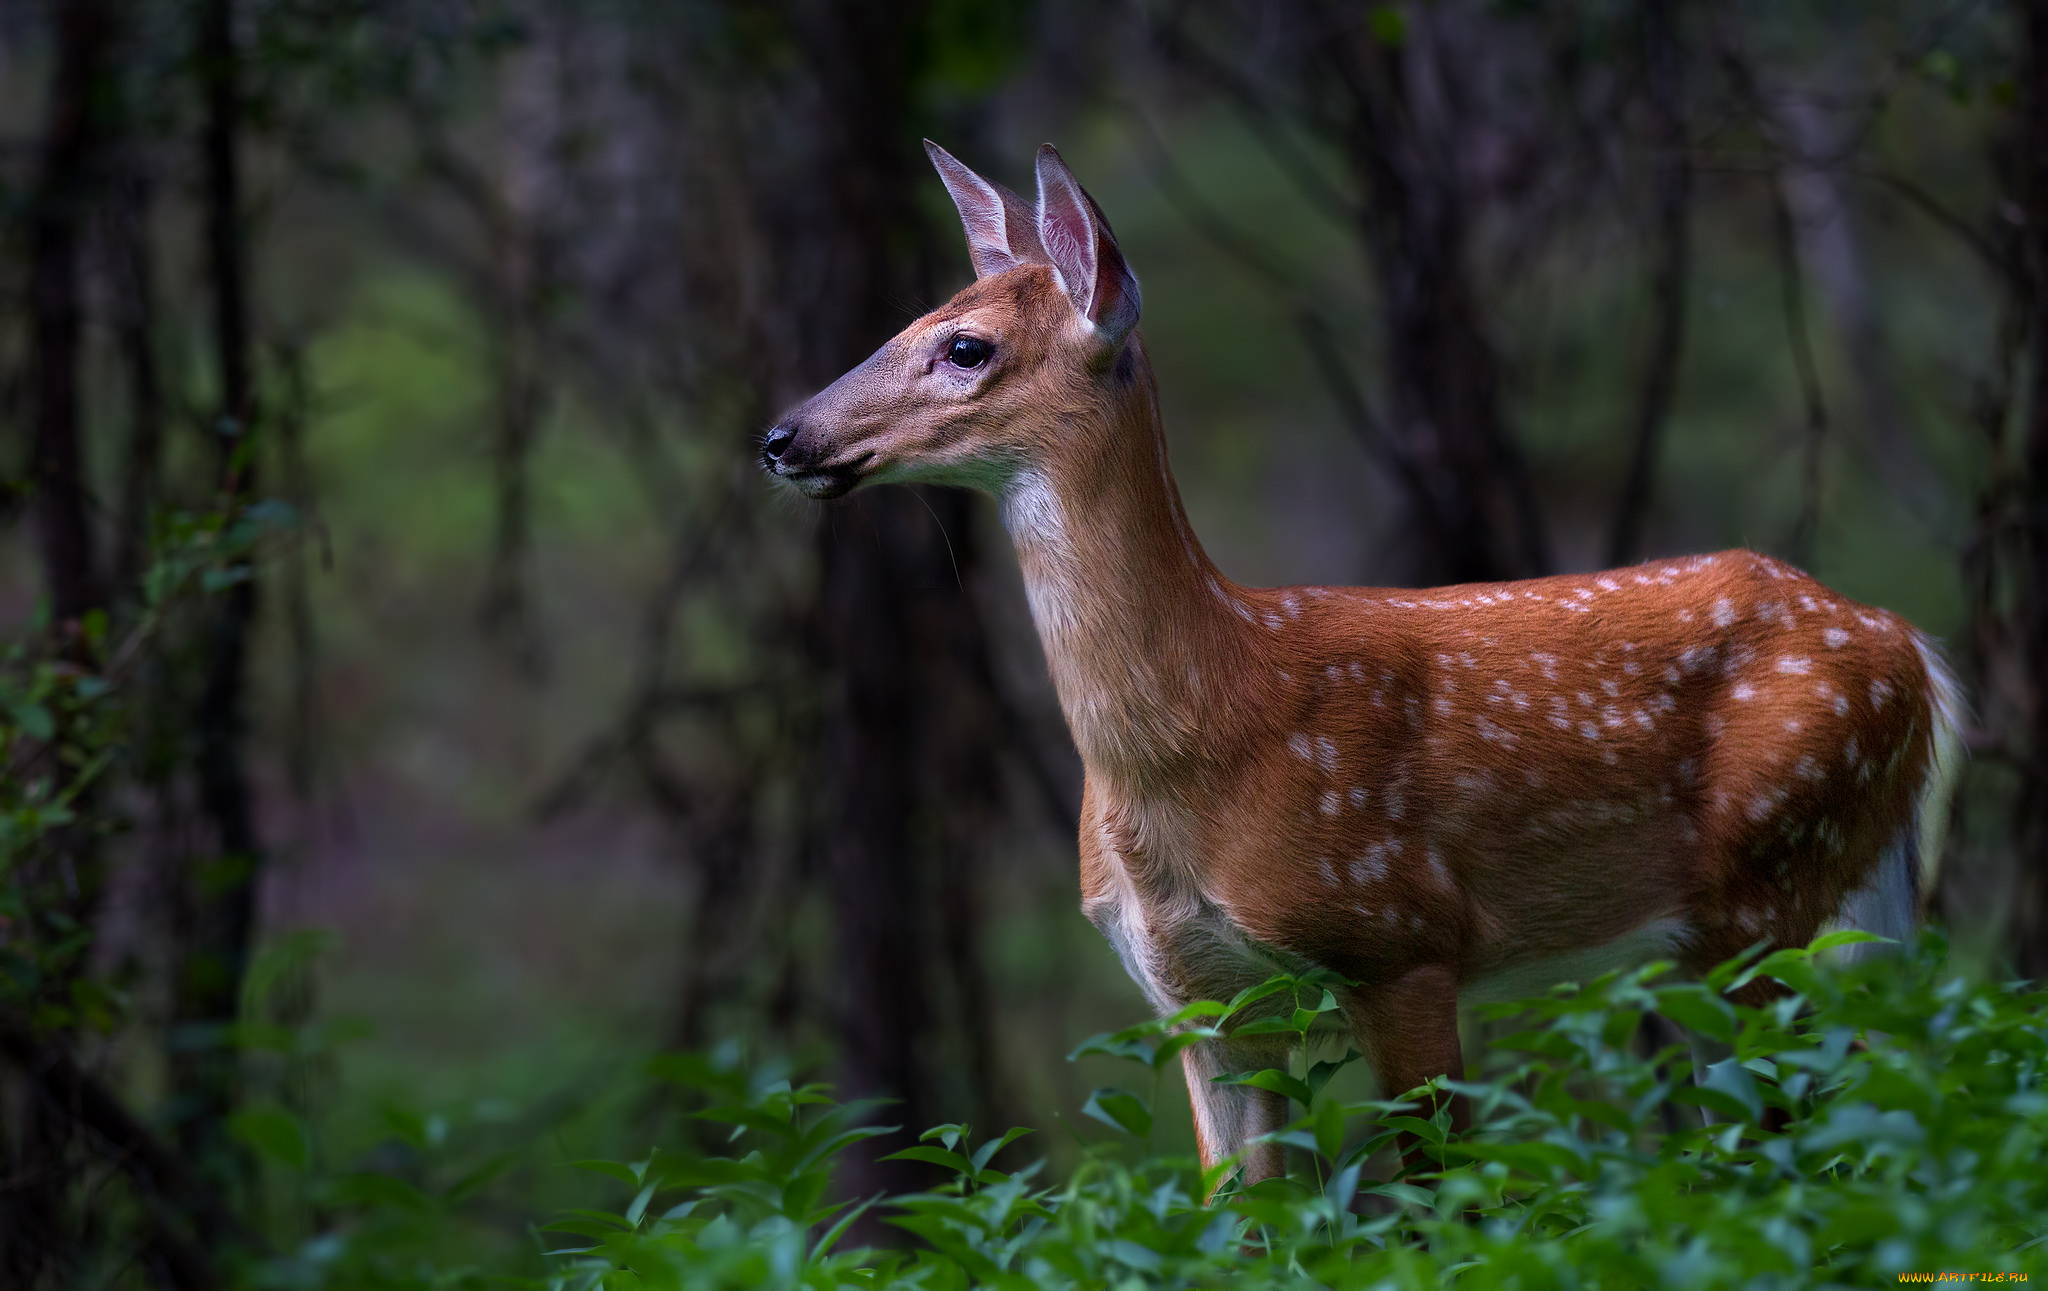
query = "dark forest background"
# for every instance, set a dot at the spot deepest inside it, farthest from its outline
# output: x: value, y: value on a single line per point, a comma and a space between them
x: 419, y: 711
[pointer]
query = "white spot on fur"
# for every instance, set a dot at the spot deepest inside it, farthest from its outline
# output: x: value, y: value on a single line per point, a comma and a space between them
x: 1743, y: 690
x: 1724, y: 612
x: 1332, y: 802
x: 1765, y: 803
x: 1835, y: 637
x: 1438, y: 871
x: 1794, y: 665
x: 1326, y: 754
x: 1298, y: 745
x: 1880, y: 691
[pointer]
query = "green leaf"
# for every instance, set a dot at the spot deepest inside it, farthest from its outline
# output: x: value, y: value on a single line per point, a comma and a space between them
x: 1114, y: 1044
x: 371, y: 1190
x: 1697, y: 1010
x: 625, y: 1174
x: 1428, y: 1131
x: 638, y: 1206
x: 987, y: 1151
x: 1731, y: 1090
x: 1253, y: 994
x: 290, y: 953
x: 1388, y: 25
x: 1403, y: 1192
x: 275, y: 1133
x: 1120, y: 1110
x: 838, y: 1230
x: 480, y: 1177
x: 937, y: 1156
x: 1275, y: 1080
x: 1170, y: 1047
x: 1320, y: 1073
x: 1329, y: 1128
x: 587, y: 1223
x: 1846, y: 937
x: 35, y: 721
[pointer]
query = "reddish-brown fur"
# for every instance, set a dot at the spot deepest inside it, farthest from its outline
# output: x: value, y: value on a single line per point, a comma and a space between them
x: 1417, y: 789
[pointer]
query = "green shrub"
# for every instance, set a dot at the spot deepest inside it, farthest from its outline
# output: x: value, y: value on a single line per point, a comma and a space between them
x: 1912, y: 1106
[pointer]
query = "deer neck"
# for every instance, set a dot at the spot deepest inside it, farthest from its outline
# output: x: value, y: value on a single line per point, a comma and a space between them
x: 1139, y: 629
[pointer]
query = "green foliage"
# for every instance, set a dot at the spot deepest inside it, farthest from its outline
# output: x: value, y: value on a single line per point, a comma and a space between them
x: 63, y: 723
x: 1874, y: 1119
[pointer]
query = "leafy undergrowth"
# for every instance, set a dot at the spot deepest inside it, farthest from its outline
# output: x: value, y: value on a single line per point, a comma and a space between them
x: 1912, y: 1119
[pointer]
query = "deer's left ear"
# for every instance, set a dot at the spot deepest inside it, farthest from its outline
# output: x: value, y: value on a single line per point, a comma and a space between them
x: 999, y: 227
x: 1078, y: 241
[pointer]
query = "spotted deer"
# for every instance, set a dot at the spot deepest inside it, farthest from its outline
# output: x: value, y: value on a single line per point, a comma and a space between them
x: 1456, y: 791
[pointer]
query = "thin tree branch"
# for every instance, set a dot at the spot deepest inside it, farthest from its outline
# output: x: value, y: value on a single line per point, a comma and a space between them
x: 1669, y: 267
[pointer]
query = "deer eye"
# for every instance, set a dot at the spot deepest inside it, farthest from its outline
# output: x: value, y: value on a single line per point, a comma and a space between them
x: 968, y: 352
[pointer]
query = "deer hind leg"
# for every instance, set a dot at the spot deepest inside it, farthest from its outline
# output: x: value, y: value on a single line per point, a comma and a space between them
x: 1408, y: 1030
x: 1227, y: 1116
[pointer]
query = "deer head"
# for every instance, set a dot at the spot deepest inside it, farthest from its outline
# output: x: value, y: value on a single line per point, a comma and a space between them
x: 983, y: 387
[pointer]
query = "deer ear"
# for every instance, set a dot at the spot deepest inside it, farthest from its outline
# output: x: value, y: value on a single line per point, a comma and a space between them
x: 1078, y: 241
x: 999, y: 228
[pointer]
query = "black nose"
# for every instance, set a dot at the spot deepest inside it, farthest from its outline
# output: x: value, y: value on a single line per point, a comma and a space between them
x: 778, y: 441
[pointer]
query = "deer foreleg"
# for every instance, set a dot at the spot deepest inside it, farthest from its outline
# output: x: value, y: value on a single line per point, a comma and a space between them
x: 1227, y: 1116
x: 1408, y: 1030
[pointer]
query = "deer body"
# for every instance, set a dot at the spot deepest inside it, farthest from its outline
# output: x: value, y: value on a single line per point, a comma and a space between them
x: 1429, y: 792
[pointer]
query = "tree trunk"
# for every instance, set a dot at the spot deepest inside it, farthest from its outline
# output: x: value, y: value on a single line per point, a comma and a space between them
x: 38, y: 1228
x: 906, y: 792
x: 1473, y: 501
x: 72, y: 143
x: 220, y: 889
x: 2031, y: 908
x: 134, y: 264
x: 1670, y: 255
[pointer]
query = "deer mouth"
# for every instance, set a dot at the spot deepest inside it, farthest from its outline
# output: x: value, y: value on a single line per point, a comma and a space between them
x: 823, y: 483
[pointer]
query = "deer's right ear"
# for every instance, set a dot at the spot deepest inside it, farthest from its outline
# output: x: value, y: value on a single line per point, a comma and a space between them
x: 989, y: 214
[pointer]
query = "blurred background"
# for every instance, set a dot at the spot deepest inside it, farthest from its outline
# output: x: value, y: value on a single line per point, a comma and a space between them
x: 421, y: 711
